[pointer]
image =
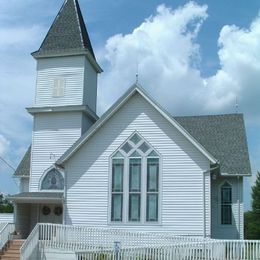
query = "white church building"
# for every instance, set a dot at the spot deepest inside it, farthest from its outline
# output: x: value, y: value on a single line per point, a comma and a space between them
x: 137, y: 167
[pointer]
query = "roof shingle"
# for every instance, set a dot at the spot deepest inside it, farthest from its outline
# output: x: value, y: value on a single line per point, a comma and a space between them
x: 224, y: 136
x: 67, y: 34
x: 23, y: 169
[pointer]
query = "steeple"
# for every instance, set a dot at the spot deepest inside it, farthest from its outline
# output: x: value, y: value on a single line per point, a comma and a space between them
x: 68, y: 34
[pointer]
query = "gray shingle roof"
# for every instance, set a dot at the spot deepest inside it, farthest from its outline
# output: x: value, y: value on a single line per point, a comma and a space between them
x: 224, y: 136
x: 23, y: 169
x: 68, y: 32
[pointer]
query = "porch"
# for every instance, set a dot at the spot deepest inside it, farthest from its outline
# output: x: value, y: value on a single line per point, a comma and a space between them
x: 31, y: 208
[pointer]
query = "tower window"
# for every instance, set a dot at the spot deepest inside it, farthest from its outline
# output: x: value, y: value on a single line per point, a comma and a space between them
x: 58, y: 87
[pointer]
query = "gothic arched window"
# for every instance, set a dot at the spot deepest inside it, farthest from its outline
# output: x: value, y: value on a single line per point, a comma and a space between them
x: 53, y: 180
x: 135, y: 182
x: 226, y: 204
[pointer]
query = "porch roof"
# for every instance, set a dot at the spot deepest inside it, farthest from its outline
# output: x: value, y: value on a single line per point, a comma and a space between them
x: 32, y: 197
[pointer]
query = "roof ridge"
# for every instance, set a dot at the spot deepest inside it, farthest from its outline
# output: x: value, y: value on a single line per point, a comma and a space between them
x: 214, y: 115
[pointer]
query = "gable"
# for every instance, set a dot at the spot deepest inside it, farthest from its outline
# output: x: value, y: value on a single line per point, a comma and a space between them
x: 124, y: 99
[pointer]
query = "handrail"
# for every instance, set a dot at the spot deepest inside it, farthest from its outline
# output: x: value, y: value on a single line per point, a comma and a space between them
x: 5, y: 232
x: 31, y: 244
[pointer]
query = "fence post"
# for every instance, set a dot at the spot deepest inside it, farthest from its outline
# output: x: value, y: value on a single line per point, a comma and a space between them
x: 117, y: 246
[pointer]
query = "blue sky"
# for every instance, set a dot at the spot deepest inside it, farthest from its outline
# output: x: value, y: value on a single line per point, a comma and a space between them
x: 205, y: 55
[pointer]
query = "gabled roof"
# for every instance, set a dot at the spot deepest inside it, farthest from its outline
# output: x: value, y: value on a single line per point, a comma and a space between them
x: 221, y: 136
x: 68, y: 33
x: 23, y: 169
x: 104, y: 118
x: 224, y: 136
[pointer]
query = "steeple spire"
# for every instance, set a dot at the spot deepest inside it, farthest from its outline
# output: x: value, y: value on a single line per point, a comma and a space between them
x: 68, y: 33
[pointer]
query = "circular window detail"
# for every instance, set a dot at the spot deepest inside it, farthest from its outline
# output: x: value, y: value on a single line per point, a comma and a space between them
x: 58, y: 211
x: 46, y: 210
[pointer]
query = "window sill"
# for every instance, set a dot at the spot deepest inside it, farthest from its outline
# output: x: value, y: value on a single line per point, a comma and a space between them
x: 135, y: 224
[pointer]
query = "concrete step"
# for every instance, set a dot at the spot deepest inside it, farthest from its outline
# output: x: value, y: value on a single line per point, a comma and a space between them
x: 17, y: 242
x: 12, y: 251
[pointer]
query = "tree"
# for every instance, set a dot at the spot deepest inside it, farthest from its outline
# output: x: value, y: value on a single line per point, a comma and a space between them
x: 5, y: 205
x: 256, y: 195
x: 252, y: 218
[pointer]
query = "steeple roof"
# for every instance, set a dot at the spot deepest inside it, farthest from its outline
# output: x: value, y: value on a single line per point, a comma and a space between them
x: 68, y: 33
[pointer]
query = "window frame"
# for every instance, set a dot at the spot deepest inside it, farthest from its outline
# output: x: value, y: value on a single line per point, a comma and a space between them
x: 143, y: 194
x: 229, y: 204
x: 46, y: 172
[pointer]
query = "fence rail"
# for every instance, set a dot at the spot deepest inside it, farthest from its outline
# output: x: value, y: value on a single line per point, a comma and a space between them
x: 5, y: 232
x: 96, y: 243
x: 210, y: 250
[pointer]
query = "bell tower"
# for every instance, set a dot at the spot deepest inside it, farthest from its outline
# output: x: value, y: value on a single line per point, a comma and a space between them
x: 66, y: 89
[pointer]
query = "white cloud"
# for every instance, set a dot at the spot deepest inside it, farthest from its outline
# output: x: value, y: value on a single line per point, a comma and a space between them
x: 4, y: 145
x: 239, y: 75
x: 17, y: 74
x: 165, y: 48
x: 19, y: 37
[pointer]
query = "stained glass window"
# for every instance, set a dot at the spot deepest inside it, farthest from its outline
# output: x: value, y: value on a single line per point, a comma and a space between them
x: 226, y: 204
x: 53, y: 180
x: 135, y: 182
x: 117, y: 189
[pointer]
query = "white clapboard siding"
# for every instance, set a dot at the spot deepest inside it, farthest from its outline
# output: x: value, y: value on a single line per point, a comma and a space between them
x: 90, y: 86
x: 228, y: 231
x: 6, y: 218
x: 71, y: 69
x: 53, y: 134
x: 24, y: 184
x: 182, y: 172
x: 22, y: 223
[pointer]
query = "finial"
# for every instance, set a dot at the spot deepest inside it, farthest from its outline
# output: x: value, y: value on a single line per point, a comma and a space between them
x: 236, y: 105
x: 137, y: 73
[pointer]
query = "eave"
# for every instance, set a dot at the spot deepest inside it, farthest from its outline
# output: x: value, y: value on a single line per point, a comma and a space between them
x: 64, y: 53
x: 49, y: 109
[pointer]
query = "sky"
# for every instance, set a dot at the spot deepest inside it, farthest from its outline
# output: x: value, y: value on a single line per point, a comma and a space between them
x: 194, y: 58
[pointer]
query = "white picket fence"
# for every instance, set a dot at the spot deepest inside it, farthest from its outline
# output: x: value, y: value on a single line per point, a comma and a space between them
x: 6, y: 218
x: 210, y: 250
x: 94, y: 243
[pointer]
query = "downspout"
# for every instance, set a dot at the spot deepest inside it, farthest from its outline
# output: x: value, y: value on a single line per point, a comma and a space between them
x: 65, y: 199
x: 204, y: 197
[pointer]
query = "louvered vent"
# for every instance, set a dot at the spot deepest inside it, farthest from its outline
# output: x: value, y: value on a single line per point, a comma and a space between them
x: 59, y: 87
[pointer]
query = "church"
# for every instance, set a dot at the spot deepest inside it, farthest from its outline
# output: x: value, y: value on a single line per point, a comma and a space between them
x: 137, y: 167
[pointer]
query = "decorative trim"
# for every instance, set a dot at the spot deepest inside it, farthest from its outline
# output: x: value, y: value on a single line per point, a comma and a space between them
x: 49, y: 109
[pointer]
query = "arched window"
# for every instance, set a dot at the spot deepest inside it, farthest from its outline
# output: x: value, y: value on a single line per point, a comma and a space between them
x: 226, y: 204
x: 135, y: 182
x: 53, y: 180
